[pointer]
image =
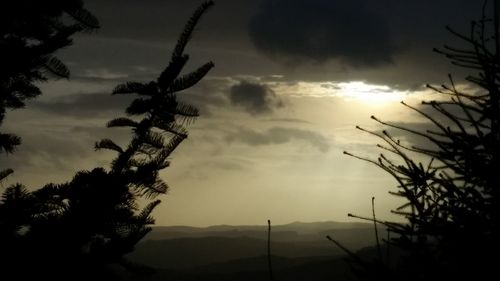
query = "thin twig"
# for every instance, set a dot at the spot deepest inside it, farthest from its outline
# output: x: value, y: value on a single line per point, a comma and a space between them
x: 376, y: 230
x: 347, y: 251
x: 269, y: 263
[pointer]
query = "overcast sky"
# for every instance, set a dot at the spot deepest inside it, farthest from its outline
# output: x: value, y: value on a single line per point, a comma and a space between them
x: 292, y: 79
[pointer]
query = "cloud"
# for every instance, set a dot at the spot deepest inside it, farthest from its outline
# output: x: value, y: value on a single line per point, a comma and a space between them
x: 53, y: 154
x: 46, y: 150
x: 89, y: 105
x: 447, y: 120
x: 288, y: 120
x: 404, y: 32
x: 254, y: 98
x: 103, y: 73
x: 209, y: 95
x: 408, y: 138
x: 204, y: 102
x: 279, y: 135
x: 84, y: 105
x: 320, y: 30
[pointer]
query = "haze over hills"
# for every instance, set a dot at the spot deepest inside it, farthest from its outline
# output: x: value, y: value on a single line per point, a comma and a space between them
x: 224, y: 252
x: 295, y: 226
x: 293, y: 231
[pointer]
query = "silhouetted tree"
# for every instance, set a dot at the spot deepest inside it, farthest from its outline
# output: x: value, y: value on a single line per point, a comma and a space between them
x: 76, y: 230
x: 31, y: 32
x: 451, y: 201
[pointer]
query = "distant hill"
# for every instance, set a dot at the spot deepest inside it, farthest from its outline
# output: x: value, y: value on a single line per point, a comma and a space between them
x: 184, y: 253
x: 355, y: 235
x: 299, y: 228
x: 184, y: 247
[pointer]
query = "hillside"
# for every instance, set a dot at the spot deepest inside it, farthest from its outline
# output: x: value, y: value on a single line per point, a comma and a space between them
x: 226, y: 252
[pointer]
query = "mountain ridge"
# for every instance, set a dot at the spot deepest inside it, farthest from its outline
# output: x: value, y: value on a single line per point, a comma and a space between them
x: 181, y: 247
x: 291, y: 224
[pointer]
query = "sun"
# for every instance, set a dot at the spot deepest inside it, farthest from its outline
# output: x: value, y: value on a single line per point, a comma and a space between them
x: 368, y: 93
x: 355, y: 91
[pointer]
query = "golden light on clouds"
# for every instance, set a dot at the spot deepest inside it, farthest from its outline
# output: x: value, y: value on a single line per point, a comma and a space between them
x: 369, y: 93
x: 358, y: 91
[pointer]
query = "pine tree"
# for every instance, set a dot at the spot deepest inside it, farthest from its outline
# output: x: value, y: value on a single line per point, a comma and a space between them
x: 31, y: 32
x: 78, y: 229
x: 452, y: 209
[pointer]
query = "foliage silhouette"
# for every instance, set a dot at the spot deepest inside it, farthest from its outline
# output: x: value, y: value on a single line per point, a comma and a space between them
x: 30, y: 33
x: 452, y: 210
x: 78, y: 229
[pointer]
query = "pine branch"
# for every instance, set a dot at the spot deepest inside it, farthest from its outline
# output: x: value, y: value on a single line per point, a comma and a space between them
x: 140, y: 106
x: 88, y: 20
x: 189, y: 28
x: 56, y: 67
x: 122, y: 122
x: 155, y: 140
x: 144, y: 215
x: 108, y: 144
x: 133, y: 88
x: 8, y: 143
x: 191, y: 79
x: 173, y: 70
x: 170, y: 127
x: 5, y: 173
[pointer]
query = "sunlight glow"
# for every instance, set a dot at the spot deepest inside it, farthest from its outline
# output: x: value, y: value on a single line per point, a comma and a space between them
x: 361, y: 91
x: 358, y: 91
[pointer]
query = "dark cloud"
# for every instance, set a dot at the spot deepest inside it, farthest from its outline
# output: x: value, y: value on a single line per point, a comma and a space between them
x: 319, y: 30
x: 84, y: 105
x: 279, y: 135
x: 208, y: 95
x: 350, y: 37
x: 146, y: 20
x: 204, y: 102
x: 254, y: 98
x: 107, y: 105
x: 161, y: 20
x: 50, y: 151
x: 140, y: 35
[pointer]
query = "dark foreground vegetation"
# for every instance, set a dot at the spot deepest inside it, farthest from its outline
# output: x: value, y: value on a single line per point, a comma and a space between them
x: 83, y: 228
x: 452, y: 206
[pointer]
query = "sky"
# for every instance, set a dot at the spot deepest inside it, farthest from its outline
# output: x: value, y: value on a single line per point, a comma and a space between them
x: 292, y: 79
